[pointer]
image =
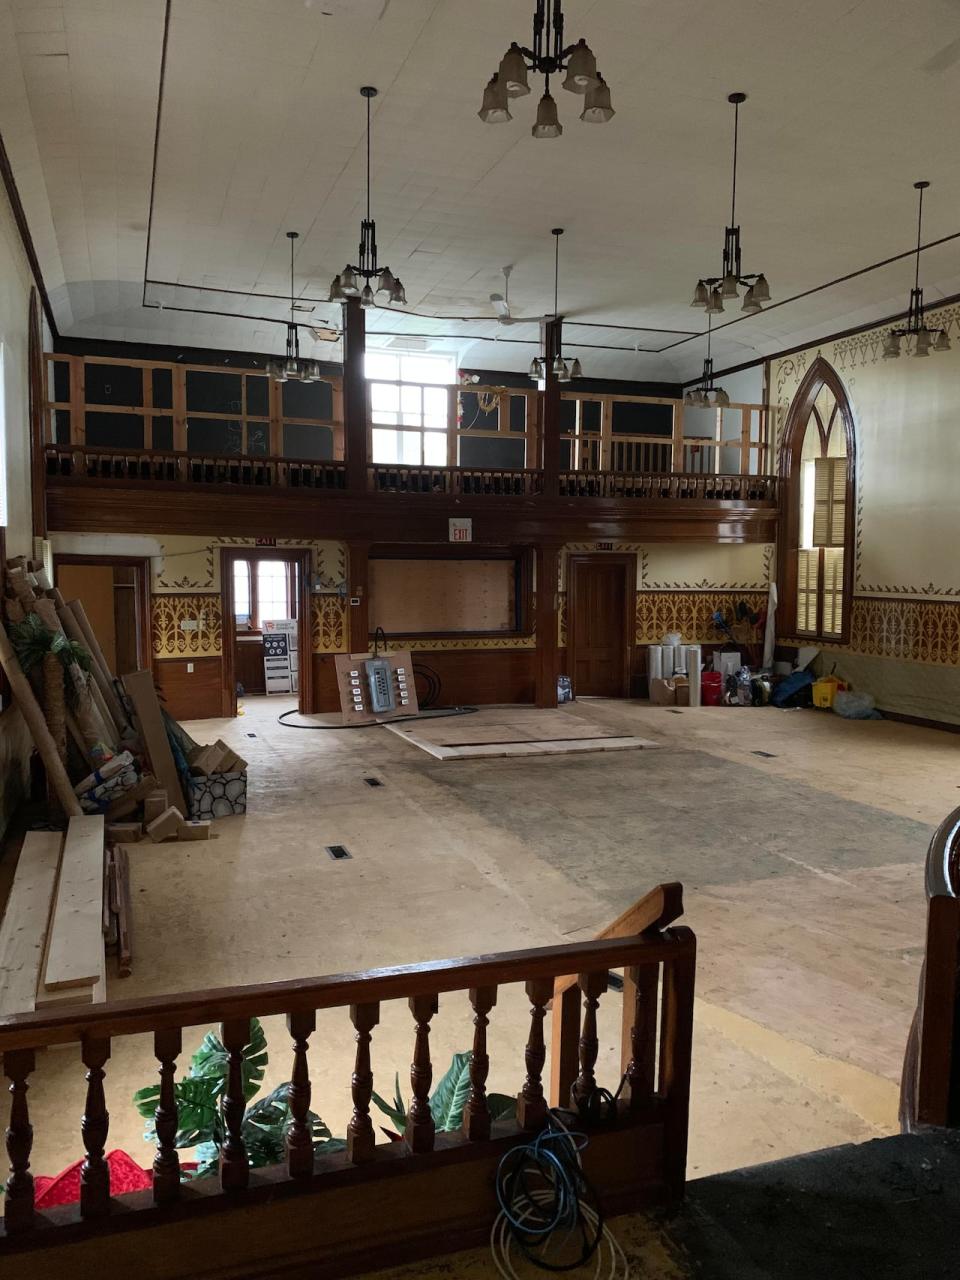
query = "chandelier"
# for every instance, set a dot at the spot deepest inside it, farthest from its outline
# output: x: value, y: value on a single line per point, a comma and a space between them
x: 347, y: 283
x: 706, y: 395
x: 711, y: 290
x: 547, y: 57
x: 925, y: 338
x: 293, y: 365
x: 563, y: 370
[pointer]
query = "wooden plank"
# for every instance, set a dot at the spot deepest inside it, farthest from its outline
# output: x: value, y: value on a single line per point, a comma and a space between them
x: 153, y: 734
x: 23, y: 931
x: 75, y: 949
x: 124, y: 913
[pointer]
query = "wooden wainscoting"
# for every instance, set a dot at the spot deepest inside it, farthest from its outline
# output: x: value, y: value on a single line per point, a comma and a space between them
x: 467, y: 676
x: 191, y: 695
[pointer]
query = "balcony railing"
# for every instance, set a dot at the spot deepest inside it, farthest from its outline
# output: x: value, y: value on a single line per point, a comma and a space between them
x: 75, y: 463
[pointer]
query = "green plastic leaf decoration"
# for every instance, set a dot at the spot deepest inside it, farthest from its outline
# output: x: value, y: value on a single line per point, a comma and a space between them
x: 398, y: 1111
x: 451, y: 1094
x: 213, y: 1062
x: 501, y: 1107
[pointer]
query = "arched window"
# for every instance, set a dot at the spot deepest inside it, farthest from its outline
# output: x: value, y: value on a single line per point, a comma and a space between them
x: 817, y: 516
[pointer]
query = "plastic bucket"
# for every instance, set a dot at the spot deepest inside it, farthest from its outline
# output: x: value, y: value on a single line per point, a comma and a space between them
x: 711, y: 688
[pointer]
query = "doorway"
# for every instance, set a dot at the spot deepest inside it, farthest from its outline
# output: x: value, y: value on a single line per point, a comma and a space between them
x: 601, y: 593
x: 260, y: 585
x: 115, y: 593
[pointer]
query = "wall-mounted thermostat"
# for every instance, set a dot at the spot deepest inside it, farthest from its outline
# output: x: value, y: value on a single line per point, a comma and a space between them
x: 374, y: 688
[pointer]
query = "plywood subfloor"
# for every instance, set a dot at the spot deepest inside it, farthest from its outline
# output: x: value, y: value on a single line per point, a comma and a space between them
x: 512, y: 731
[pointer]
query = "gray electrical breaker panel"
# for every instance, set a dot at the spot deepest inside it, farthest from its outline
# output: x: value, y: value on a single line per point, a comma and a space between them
x: 376, y: 688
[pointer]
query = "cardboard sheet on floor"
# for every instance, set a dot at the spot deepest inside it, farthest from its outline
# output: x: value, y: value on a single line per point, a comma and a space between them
x: 523, y: 731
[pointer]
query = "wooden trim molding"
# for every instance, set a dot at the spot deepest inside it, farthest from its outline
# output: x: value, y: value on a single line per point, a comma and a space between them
x: 26, y: 239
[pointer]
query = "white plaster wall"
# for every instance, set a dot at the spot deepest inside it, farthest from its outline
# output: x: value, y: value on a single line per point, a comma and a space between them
x: 15, y: 283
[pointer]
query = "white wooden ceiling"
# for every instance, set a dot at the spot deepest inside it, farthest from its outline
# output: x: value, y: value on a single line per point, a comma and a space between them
x: 262, y: 130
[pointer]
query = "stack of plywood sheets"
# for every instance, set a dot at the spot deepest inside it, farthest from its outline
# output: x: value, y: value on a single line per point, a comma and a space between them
x: 512, y: 732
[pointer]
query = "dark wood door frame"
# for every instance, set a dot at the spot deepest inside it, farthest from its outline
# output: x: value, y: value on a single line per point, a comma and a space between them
x: 303, y: 557
x: 582, y: 562
x: 142, y: 581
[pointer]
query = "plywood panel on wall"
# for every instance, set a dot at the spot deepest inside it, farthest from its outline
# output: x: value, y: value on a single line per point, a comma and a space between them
x: 408, y: 597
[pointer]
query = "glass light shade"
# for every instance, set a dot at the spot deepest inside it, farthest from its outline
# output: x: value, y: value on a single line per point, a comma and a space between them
x: 575, y: 370
x: 701, y: 295
x: 728, y: 286
x: 547, y: 125
x: 943, y: 341
x: 275, y: 370
x: 714, y: 302
x: 720, y: 398
x: 750, y: 304
x: 688, y: 400
x: 291, y: 369
x: 348, y: 282
x: 536, y: 368
x: 386, y: 282
x: 565, y: 375
x: 761, y: 290
x: 314, y: 374
x: 698, y: 398
x: 596, y: 105
x: 366, y: 297
x: 513, y: 72
x: 559, y: 366
x: 581, y: 69
x: 891, y: 346
x: 494, y: 108
x: 398, y: 294
x: 924, y: 342
x: 336, y: 292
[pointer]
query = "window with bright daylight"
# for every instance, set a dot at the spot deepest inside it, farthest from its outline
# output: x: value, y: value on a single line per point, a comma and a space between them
x: 409, y: 407
x: 263, y: 591
x: 823, y: 521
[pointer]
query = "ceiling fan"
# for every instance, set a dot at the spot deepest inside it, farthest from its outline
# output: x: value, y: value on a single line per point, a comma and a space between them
x: 501, y: 301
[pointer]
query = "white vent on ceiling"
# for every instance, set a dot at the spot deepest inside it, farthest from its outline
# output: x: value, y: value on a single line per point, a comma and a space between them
x: 409, y: 344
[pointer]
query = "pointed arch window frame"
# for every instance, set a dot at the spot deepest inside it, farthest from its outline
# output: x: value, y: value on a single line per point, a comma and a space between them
x: 820, y: 374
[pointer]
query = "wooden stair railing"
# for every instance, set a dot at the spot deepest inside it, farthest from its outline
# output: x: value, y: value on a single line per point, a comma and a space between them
x: 440, y: 1186
x: 930, y: 1082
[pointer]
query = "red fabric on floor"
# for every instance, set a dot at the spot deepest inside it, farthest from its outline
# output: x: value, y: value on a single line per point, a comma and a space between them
x: 64, y: 1187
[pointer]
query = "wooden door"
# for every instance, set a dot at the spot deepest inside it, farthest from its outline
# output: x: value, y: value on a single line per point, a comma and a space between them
x: 600, y: 609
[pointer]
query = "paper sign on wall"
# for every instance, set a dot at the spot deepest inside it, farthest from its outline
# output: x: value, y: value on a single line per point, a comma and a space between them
x: 461, y: 529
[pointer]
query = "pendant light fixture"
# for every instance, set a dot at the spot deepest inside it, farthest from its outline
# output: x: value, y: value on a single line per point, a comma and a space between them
x: 354, y: 280
x: 563, y: 370
x: 293, y: 365
x: 711, y: 290
x: 547, y: 57
x: 706, y: 395
x: 925, y: 339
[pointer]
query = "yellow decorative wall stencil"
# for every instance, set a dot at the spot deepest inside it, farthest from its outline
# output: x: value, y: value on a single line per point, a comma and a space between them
x: 329, y: 624
x: 689, y: 612
x: 203, y: 637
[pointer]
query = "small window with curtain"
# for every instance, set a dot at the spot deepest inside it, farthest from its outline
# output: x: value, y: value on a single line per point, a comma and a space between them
x: 263, y: 591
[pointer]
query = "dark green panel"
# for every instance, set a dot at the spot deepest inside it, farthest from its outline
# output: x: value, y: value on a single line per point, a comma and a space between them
x: 471, y: 415
x: 490, y: 451
x: 641, y: 419
x: 590, y: 415
x: 518, y: 413
x: 258, y: 396
x: 113, y: 384
x: 163, y: 433
x: 114, y: 430
x: 302, y: 440
x: 163, y: 388
x: 258, y: 438
x: 213, y: 392
x: 568, y: 415
x: 214, y: 435
x: 61, y: 425
x: 61, y: 381
x: 307, y: 400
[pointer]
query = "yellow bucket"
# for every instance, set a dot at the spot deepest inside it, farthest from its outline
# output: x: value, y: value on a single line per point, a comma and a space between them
x: 825, y: 690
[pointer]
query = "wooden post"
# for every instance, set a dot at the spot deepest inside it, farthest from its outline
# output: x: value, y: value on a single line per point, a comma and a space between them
x: 593, y: 986
x: 358, y: 617
x: 166, y: 1163
x: 676, y: 448
x: 354, y: 395
x: 476, y: 1114
x: 676, y: 1043
x: 638, y: 1034
x: 361, y: 1138
x: 18, y: 1198
x: 299, y: 1140
x: 234, y: 1168
x: 551, y: 344
x: 420, y: 1129
x: 531, y: 1104
x: 548, y: 642
x: 94, y: 1127
x: 565, y: 1038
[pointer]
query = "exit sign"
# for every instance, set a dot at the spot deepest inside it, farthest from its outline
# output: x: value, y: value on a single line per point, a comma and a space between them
x: 461, y: 529
x: 604, y: 546
x: 266, y: 542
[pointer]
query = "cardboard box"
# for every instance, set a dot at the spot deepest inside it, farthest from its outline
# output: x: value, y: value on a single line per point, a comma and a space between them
x: 663, y: 693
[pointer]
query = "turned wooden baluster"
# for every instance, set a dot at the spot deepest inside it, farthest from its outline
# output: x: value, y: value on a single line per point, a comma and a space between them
x: 234, y: 1167
x: 639, y: 1032
x: 299, y: 1138
x: 531, y: 1104
x: 18, y: 1201
x: 94, y: 1126
x: 361, y: 1138
x: 593, y: 986
x: 476, y: 1114
x: 419, y: 1132
x: 166, y: 1163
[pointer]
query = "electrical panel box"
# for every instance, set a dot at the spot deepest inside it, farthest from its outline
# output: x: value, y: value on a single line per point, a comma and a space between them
x: 376, y: 688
